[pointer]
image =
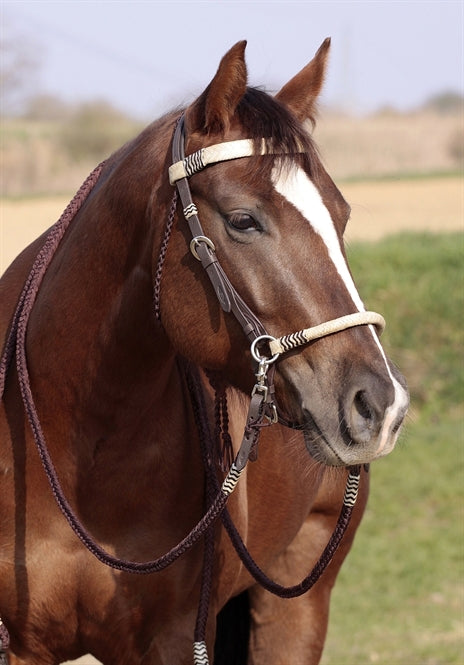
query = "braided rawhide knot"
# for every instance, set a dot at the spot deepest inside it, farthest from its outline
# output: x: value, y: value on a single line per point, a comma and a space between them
x: 200, y: 653
x: 4, y: 643
x: 352, y: 486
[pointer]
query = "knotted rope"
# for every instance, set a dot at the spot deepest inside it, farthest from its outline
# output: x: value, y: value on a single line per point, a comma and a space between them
x: 4, y: 643
x: 294, y: 340
x: 209, y: 442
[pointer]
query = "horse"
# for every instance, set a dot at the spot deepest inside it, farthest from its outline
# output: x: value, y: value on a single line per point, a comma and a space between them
x: 149, y: 341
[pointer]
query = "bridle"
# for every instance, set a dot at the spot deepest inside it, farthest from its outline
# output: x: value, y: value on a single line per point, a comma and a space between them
x: 262, y: 409
x: 203, y: 249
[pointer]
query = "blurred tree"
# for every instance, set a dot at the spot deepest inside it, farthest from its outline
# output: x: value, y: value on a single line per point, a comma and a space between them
x: 446, y: 102
x: 44, y: 106
x: 95, y: 130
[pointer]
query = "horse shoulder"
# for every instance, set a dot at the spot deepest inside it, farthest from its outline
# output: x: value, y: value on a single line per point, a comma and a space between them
x: 305, y: 616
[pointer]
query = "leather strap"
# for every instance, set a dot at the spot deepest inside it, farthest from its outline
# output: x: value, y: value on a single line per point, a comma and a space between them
x: 228, y: 297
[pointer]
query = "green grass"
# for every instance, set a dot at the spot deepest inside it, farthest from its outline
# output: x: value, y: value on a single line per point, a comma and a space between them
x: 399, y: 599
x: 417, y: 282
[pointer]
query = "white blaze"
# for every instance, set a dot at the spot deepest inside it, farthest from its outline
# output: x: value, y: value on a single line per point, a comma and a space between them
x: 295, y: 185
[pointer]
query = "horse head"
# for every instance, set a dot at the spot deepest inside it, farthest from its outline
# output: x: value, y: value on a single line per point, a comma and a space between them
x: 277, y: 222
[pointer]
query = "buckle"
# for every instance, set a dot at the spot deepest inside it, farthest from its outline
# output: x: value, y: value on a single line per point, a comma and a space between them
x: 196, y: 241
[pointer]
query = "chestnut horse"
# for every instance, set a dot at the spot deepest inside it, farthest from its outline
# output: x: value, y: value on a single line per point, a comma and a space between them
x: 132, y: 360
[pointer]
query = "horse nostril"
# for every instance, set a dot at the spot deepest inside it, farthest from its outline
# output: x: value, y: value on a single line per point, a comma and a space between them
x: 362, y: 418
x: 398, y: 424
x: 361, y: 405
x: 365, y: 405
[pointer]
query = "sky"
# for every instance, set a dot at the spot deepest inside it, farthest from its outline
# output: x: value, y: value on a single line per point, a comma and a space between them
x: 146, y: 57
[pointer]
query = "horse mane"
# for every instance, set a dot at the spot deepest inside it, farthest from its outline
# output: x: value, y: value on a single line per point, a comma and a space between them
x: 260, y: 116
x: 263, y: 116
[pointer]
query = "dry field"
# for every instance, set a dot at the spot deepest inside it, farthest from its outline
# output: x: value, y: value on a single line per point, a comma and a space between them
x: 378, y: 208
x: 36, y: 159
x: 36, y: 164
x: 389, y: 143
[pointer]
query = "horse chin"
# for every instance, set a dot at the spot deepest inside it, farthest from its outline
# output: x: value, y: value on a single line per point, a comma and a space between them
x: 340, y: 453
x: 317, y: 445
x: 326, y: 451
x: 321, y: 450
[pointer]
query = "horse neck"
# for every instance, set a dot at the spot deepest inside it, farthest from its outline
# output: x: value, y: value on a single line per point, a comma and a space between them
x: 93, y: 341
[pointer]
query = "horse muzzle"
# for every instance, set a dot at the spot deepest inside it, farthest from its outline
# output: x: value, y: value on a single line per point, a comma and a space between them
x: 357, y: 426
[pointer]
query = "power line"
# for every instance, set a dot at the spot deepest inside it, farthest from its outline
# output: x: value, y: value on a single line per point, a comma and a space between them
x: 81, y: 42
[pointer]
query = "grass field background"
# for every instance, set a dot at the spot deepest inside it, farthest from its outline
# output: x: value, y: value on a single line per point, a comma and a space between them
x: 399, y: 599
x: 379, y: 208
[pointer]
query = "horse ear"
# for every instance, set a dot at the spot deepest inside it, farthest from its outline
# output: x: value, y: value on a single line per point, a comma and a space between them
x: 212, y: 112
x: 301, y: 92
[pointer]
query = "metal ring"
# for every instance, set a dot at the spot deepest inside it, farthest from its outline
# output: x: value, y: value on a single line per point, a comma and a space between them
x: 254, y: 351
x: 196, y: 241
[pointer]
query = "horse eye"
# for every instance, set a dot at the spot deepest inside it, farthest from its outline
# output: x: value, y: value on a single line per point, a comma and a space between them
x: 241, y: 221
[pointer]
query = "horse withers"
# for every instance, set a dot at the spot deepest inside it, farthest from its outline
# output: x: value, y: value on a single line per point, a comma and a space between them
x: 126, y: 379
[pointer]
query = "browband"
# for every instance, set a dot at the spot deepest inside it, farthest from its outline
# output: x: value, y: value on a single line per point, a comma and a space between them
x: 220, y: 152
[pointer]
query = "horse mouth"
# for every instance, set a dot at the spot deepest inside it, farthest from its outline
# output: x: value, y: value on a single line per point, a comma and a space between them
x: 321, y: 449
x: 316, y: 442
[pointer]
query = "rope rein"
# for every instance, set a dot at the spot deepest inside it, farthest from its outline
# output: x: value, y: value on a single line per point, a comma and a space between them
x: 349, y: 500
x: 41, y: 263
x: 262, y: 409
x: 209, y: 443
x: 4, y: 643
